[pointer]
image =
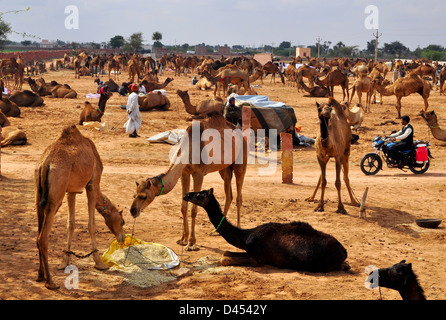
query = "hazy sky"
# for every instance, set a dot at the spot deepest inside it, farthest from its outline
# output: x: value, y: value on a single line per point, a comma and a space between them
x: 232, y: 22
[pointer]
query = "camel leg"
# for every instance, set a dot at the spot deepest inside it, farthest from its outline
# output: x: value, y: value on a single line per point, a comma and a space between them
x: 92, y: 228
x: 46, y: 219
x: 238, y: 259
x: 71, y: 200
x: 185, y: 184
x: 341, y: 208
x: 398, y: 106
x: 345, y: 167
x: 311, y: 198
x: 239, y: 171
x: 226, y: 175
x: 198, y: 182
x: 323, y: 183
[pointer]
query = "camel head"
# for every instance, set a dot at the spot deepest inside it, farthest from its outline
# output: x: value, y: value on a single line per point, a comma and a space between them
x: 430, y: 117
x: 396, y: 276
x: 199, y: 198
x: 324, y: 111
x: 113, y: 219
x: 146, y: 191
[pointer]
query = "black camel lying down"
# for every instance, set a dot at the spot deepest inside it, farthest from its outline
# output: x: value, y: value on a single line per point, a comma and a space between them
x: 294, y: 245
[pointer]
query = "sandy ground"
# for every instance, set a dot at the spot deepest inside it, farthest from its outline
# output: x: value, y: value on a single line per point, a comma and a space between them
x: 388, y: 234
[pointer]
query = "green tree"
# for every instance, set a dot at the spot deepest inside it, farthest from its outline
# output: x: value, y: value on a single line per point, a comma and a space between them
x: 117, y: 42
x: 5, y: 28
x: 134, y: 42
x: 157, y: 37
x: 284, y: 45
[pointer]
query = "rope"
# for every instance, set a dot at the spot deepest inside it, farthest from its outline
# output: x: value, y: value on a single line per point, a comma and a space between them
x: 69, y: 252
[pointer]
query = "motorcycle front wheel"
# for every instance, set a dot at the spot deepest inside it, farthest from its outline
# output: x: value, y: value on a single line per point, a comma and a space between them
x: 371, y: 164
x: 420, y: 169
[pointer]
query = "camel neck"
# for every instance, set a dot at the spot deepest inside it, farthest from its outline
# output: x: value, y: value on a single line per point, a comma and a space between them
x: 233, y: 235
x: 323, y: 122
x: 103, y: 204
x: 102, y: 102
x: 412, y: 291
x: 168, y: 180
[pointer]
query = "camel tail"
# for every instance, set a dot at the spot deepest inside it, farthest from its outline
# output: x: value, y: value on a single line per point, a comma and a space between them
x: 42, y: 185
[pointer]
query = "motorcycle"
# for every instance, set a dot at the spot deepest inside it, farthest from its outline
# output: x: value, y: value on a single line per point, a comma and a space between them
x: 416, y: 158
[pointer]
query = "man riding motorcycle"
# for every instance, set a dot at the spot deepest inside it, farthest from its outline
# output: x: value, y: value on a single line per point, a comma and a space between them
x: 405, y: 137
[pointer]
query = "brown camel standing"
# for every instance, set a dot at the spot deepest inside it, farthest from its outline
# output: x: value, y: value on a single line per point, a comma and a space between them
x: 404, y: 87
x: 432, y: 122
x: 335, y: 78
x: 360, y: 86
x: 442, y: 80
x: 309, y: 72
x: 230, y: 159
x: 333, y: 141
x: 68, y: 166
x: 272, y: 68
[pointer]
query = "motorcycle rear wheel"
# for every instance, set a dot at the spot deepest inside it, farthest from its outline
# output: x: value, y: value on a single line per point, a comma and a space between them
x: 371, y: 163
x: 421, y: 169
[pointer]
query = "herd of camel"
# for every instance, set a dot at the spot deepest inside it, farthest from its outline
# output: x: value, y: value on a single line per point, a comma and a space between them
x: 72, y: 163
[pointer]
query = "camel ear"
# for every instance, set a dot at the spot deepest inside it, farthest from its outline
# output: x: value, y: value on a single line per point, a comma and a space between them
x: 403, y: 261
x: 211, y: 191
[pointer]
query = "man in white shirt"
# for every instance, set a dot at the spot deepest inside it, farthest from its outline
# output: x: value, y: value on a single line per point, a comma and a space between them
x: 405, y: 137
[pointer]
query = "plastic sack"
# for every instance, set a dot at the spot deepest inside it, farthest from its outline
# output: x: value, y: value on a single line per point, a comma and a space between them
x: 130, y: 241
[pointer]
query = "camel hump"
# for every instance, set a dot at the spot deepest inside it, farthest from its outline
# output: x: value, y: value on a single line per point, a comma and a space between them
x: 70, y: 132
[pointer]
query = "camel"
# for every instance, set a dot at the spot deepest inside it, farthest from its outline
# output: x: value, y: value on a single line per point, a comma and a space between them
x: 62, y: 91
x: 432, y: 122
x: 153, y: 100
x: 113, y: 64
x: 150, y: 86
x: 26, y: 98
x: 426, y: 70
x: 361, y: 85
x: 68, y: 166
x: 442, y: 80
x: 404, y: 87
x: 203, y: 84
x: 310, y: 73
x: 227, y: 76
x: 294, y: 245
x: 77, y: 67
x: 4, y: 121
x: 272, y: 68
x: 400, y: 277
x: 230, y: 159
x: 89, y: 113
x: 203, y: 107
x: 333, y: 141
x: 10, y: 67
x: 316, y: 91
x: 134, y: 70
x: 9, y: 108
x: 257, y: 74
x: 335, y: 78
x: 354, y: 115
x: 12, y: 136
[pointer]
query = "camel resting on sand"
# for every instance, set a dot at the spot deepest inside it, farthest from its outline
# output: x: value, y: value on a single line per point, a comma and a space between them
x: 203, y: 107
x: 294, y: 245
x: 63, y: 91
x: 432, y: 122
x: 13, y: 136
x: 89, y: 113
x: 153, y: 100
x: 315, y: 91
x: 68, y: 166
x: 400, y: 277
x: 26, y: 98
